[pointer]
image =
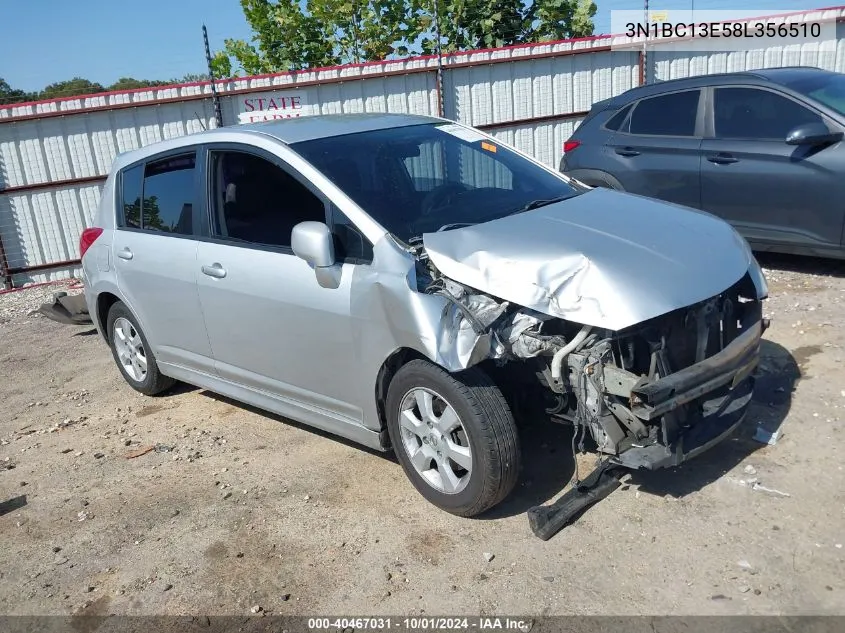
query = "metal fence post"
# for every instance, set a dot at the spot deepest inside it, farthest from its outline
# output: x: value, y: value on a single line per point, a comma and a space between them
x: 439, y: 50
x: 644, y: 58
x: 218, y: 115
x: 4, y: 267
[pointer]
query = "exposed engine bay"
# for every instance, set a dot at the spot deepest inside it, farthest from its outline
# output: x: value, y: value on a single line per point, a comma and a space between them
x: 647, y: 396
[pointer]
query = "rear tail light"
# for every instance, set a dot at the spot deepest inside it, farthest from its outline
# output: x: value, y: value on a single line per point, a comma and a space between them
x: 87, y: 238
x: 570, y: 145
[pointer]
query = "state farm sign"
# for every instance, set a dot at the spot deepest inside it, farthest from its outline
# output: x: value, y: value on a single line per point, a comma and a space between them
x: 266, y: 106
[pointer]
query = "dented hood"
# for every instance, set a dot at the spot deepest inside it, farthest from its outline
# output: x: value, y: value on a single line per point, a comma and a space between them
x: 603, y: 258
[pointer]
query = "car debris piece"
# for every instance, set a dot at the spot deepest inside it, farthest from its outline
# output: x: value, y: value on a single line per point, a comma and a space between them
x: 776, y: 493
x: 141, y: 451
x: 67, y: 309
x: 764, y: 436
x: 546, y: 521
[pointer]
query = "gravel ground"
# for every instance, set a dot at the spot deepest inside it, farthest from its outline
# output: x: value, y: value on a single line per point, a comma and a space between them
x: 232, y: 509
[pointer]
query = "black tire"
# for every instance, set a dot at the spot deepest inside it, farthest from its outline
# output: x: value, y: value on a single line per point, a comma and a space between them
x: 489, y: 428
x: 154, y: 382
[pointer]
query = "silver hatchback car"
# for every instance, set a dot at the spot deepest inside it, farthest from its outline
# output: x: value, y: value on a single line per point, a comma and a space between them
x: 413, y: 284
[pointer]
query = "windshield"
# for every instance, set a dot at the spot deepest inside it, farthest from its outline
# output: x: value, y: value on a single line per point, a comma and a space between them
x: 424, y: 178
x: 828, y: 90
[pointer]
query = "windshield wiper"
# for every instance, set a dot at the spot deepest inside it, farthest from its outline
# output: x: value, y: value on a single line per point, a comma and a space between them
x: 417, y: 239
x: 536, y: 204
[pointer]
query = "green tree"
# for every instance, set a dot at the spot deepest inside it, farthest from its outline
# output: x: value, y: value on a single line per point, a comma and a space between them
x: 365, y: 31
x: 467, y: 24
x: 12, y: 95
x: 71, y: 88
x: 290, y: 35
x: 191, y: 78
x: 285, y: 36
x: 129, y: 83
x: 559, y: 19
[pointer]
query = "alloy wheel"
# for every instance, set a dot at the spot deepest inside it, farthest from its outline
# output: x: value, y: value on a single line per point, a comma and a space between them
x: 435, y: 440
x: 130, y: 349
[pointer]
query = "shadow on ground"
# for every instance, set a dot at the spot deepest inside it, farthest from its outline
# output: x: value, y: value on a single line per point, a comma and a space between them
x: 777, y: 376
x: 295, y: 424
x: 10, y: 505
x: 547, y: 468
x: 182, y: 387
x: 546, y: 458
x: 802, y: 264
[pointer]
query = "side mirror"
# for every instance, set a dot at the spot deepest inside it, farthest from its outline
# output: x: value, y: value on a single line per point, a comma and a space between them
x: 312, y: 241
x: 812, y: 134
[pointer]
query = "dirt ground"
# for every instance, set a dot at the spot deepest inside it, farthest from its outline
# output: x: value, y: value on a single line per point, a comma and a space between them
x: 237, y: 509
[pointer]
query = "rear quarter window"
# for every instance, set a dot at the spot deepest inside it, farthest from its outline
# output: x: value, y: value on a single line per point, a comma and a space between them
x: 615, y: 122
x: 131, y: 182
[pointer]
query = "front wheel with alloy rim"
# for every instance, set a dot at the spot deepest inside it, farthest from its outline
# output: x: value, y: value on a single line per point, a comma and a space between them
x: 132, y: 352
x: 454, y: 436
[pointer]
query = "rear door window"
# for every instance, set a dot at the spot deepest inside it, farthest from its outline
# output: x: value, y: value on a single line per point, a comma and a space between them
x: 673, y: 114
x: 752, y: 113
x: 169, y: 192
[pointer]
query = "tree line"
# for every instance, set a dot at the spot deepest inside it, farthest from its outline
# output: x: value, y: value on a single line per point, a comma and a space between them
x: 81, y: 86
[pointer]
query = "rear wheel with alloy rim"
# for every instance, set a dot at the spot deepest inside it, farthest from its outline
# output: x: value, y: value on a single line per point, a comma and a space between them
x: 130, y: 349
x: 132, y: 352
x: 454, y: 436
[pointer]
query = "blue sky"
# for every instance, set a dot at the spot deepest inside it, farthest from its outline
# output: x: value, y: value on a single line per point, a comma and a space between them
x: 43, y: 41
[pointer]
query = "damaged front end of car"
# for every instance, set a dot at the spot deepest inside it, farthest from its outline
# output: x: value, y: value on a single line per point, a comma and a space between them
x: 650, y: 395
x: 637, y: 322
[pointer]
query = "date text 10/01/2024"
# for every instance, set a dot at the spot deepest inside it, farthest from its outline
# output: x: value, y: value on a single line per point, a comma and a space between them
x: 793, y: 30
x: 421, y: 624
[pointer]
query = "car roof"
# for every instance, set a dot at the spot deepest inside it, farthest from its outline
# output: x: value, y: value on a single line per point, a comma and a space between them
x: 293, y: 130
x: 781, y: 76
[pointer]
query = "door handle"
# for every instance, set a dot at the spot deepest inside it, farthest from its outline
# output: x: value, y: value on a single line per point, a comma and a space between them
x: 722, y: 159
x: 215, y: 270
x: 627, y: 151
x: 125, y: 253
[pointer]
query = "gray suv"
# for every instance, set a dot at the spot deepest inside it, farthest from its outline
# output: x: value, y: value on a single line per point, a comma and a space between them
x: 761, y: 149
x: 413, y: 284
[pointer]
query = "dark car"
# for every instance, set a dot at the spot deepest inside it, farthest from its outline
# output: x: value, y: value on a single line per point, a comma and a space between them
x: 762, y: 149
